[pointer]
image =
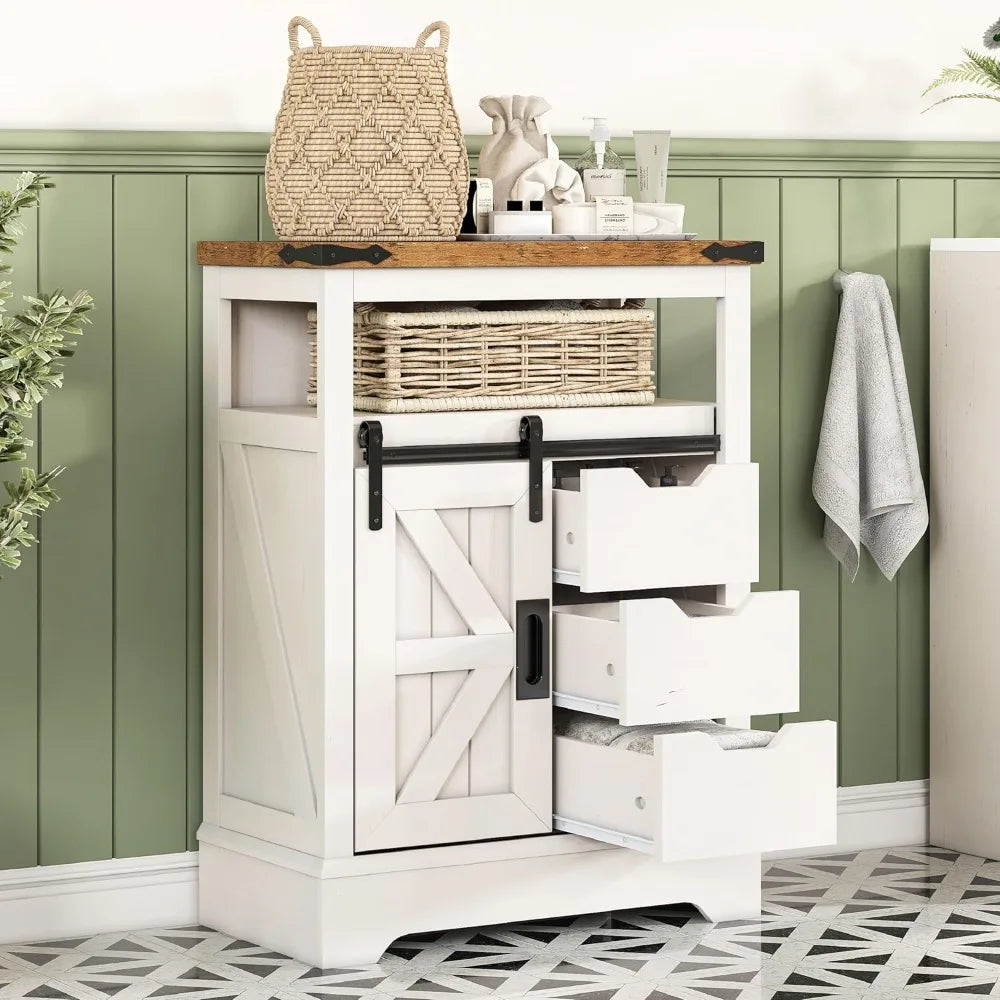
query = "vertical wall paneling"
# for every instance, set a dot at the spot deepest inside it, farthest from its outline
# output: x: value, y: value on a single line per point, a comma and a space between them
x: 810, y: 249
x: 76, y: 564
x: 219, y: 207
x: 926, y: 210
x: 100, y: 664
x: 751, y: 209
x: 977, y: 207
x: 686, y: 357
x: 150, y: 814
x: 868, y: 604
x: 19, y: 625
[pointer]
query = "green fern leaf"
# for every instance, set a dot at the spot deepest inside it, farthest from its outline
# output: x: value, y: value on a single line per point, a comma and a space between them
x: 975, y: 71
x: 964, y: 97
x: 963, y: 73
x: 987, y: 65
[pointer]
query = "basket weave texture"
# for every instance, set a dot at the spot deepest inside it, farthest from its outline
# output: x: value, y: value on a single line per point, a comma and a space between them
x: 367, y: 143
x: 451, y: 360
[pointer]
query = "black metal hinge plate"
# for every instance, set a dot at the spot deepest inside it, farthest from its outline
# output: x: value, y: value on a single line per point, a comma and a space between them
x: 531, y: 436
x: 370, y: 439
x: 752, y: 253
x: 328, y: 254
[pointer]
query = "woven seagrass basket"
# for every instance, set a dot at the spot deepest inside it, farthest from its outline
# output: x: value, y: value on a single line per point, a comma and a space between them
x: 410, y: 362
x: 367, y: 143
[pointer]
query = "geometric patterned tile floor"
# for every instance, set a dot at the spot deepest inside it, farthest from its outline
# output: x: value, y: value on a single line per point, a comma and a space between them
x: 914, y: 923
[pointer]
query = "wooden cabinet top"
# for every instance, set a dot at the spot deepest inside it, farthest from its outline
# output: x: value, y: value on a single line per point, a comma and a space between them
x: 527, y: 253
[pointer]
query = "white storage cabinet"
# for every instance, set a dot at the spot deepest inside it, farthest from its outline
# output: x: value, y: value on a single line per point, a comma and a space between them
x: 964, y: 544
x: 381, y: 652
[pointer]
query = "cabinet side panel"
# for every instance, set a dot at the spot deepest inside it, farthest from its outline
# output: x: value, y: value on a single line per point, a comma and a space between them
x: 271, y: 663
x: 219, y: 207
x: 965, y: 538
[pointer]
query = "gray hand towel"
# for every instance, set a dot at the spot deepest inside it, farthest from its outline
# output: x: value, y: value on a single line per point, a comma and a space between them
x: 639, y: 739
x: 867, y: 475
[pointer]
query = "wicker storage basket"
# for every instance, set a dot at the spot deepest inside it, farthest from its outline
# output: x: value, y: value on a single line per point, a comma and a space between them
x: 367, y: 143
x: 410, y: 362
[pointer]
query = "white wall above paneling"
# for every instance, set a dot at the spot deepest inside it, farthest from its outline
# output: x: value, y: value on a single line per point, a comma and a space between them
x: 773, y: 68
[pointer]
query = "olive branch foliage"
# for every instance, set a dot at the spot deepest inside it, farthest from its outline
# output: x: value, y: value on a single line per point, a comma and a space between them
x: 33, y: 346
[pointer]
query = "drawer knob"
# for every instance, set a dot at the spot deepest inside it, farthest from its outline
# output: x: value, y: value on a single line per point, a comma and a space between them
x: 640, y: 802
x: 610, y: 669
x: 570, y: 537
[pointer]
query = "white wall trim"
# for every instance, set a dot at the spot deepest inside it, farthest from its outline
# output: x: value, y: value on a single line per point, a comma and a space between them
x: 890, y: 815
x: 57, y: 901
x: 894, y: 814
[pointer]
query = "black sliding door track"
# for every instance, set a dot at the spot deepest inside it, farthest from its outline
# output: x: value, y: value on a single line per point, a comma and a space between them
x: 532, y: 447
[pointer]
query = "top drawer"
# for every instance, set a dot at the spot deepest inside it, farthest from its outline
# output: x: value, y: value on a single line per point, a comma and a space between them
x: 617, y: 533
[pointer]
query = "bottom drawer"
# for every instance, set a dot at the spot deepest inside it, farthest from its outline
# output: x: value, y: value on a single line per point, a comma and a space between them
x: 679, y: 795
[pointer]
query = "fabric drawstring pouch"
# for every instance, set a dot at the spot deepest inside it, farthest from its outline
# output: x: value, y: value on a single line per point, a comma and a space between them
x: 518, y: 141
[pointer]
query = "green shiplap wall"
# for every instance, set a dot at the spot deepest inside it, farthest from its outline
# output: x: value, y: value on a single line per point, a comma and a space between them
x: 100, y: 698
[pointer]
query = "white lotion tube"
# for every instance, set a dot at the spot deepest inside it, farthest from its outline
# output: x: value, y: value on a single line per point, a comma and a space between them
x: 651, y: 152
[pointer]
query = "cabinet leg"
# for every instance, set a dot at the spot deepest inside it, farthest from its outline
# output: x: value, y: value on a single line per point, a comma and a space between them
x: 737, y: 897
x: 350, y: 950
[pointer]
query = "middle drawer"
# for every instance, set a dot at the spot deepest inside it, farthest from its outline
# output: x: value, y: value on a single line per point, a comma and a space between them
x: 660, y: 660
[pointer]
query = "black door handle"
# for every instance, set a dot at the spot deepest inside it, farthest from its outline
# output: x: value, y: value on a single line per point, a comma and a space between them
x: 532, y: 649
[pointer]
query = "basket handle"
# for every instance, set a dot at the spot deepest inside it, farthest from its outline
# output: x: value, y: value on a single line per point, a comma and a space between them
x: 439, y: 26
x: 293, y: 33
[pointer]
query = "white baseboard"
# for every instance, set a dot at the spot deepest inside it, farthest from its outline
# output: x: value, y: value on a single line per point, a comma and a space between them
x: 891, y: 815
x: 58, y: 901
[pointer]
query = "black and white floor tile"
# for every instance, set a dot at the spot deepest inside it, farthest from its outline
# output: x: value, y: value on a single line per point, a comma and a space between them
x: 913, y: 923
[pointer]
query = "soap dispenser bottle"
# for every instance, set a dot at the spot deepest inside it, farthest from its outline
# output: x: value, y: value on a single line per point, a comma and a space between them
x: 602, y: 169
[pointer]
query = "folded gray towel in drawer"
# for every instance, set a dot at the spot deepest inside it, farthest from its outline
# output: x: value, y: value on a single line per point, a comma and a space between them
x: 639, y: 739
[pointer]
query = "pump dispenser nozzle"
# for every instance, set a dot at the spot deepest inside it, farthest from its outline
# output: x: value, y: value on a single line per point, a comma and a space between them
x: 602, y: 170
x: 600, y: 133
x: 600, y: 129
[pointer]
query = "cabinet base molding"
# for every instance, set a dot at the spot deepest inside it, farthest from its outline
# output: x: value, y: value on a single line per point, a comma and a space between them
x: 38, y: 904
x: 346, y: 921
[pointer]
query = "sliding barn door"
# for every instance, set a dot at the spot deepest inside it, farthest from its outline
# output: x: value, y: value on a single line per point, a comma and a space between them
x: 444, y: 748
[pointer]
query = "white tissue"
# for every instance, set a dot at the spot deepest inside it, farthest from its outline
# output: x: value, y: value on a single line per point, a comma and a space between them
x: 643, y: 224
x: 551, y: 181
x: 662, y: 219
